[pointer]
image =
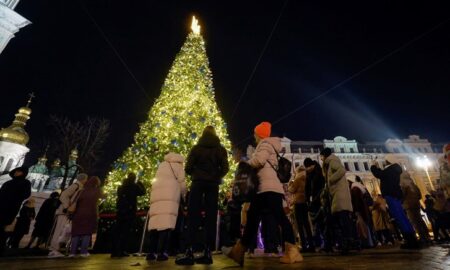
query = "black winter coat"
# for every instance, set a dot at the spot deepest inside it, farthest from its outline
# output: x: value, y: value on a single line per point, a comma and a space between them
x: 315, y: 182
x: 127, y: 195
x: 12, y: 194
x: 389, y: 180
x: 45, y: 218
x: 208, y: 160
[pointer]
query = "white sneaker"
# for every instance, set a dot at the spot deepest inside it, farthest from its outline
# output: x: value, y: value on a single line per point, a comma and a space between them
x: 85, y: 255
x: 55, y: 254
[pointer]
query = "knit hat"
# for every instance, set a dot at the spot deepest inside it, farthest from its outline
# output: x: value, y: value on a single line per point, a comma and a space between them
x: 391, y: 159
x: 263, y: 130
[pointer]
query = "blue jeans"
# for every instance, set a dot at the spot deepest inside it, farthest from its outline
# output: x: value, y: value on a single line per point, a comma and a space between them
x: 81, y: 241
x: 397, y: 212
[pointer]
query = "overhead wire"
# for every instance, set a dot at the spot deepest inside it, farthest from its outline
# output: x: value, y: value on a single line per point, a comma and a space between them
x: 269, y: 38
x: 356, y: 74
x: 105, y: 37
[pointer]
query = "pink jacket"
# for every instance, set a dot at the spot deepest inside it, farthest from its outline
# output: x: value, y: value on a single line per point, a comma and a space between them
x: 265, y: 153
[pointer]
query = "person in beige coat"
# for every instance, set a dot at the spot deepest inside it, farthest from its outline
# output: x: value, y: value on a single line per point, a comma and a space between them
x: 341, y: 200
x: 269, y: 198
x: 167, y: 191
x: 67, y: 198
x: 297, y: 188
x: 412, y: 206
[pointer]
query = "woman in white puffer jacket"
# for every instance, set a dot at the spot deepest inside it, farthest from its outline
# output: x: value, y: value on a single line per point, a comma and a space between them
x: 167, y: 190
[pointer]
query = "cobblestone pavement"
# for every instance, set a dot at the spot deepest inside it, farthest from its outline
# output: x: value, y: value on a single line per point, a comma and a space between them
x: 437, y: 257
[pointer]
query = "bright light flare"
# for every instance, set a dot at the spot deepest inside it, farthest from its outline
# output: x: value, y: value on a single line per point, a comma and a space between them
x: 195, y: 26
x: 423, y: 162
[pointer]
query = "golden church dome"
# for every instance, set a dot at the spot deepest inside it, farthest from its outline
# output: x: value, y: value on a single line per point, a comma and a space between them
x: 16, y: 133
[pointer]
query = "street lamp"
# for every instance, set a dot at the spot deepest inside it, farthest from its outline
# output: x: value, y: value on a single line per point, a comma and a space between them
x: 425, y: 163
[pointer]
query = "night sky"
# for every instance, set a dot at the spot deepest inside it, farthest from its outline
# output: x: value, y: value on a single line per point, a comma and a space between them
x: 65, y: 59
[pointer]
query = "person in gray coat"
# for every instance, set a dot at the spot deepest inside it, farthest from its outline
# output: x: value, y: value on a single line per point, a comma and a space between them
x: 341, y: 200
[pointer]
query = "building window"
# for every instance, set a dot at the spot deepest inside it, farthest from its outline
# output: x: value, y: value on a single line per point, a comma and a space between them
x: 366, y: 166
x: 356, y: 166
x: 342, y: 150
x: 352, y: 150
x: 347, y: 168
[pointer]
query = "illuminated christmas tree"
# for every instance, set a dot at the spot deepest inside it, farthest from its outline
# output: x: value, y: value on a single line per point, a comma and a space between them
x: 176, y: 120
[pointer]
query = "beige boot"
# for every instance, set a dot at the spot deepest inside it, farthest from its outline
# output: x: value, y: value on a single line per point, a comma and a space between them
x: 291, y: 254
x: 237, y: 253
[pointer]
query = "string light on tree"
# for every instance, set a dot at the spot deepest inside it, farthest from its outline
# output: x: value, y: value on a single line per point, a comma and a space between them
x: 185, y: 106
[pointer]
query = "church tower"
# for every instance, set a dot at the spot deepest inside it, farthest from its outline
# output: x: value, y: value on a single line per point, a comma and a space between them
x: 10, y: 22
x: 13, y: 140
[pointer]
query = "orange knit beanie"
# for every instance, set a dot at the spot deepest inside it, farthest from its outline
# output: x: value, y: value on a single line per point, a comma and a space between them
x: 263, y: 130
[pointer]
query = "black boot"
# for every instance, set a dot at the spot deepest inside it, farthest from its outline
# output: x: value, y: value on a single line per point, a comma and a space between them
x: 186, y: 259
x: 206, y: 258
x: 411, y: 242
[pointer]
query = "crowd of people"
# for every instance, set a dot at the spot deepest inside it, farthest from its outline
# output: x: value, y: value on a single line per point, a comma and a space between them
x: 318, y: 210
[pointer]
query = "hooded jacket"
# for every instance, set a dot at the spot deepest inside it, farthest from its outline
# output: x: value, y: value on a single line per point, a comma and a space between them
x: 262, y: 159
x: 334, y: 172
x: 12, y: 194
x: 208, y: 160
x: 389, y: 180
x: 167, y: 190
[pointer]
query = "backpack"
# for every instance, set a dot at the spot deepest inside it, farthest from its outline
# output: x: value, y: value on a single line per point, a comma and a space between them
x: 283, y: 169
x: 245, y: 183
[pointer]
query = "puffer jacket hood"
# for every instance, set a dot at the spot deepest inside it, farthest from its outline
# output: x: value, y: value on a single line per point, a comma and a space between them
x: 174, y: 158
x: 209, y: 141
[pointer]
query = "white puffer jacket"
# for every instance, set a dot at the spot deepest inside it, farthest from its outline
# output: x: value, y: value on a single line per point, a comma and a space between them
x: 167, y: 189
x: 265, y: 153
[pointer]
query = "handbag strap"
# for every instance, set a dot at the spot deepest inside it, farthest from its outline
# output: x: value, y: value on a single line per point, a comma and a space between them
x: 171, y: 168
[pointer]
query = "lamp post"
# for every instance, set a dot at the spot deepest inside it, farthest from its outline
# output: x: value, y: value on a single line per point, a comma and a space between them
x: 425, y: 163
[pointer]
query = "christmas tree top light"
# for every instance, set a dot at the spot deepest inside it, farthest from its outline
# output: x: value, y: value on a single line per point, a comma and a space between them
x: 195, y: 26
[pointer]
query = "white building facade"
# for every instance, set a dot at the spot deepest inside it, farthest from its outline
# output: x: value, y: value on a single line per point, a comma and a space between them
x: 10, y: 22
x: 358, y: 157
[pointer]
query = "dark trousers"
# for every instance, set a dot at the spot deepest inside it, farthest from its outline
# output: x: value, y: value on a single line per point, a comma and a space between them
x: 272, y: 202
x: 159, y: 241
x: 302, y: 218
x: 397, y: 212
x: 386, y: 234
x: 270, y: 232
x: 203, y: 196
x: 15, y: 239
x: 343, y: 225
x: 2, y: 239
x: 122, y: 232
